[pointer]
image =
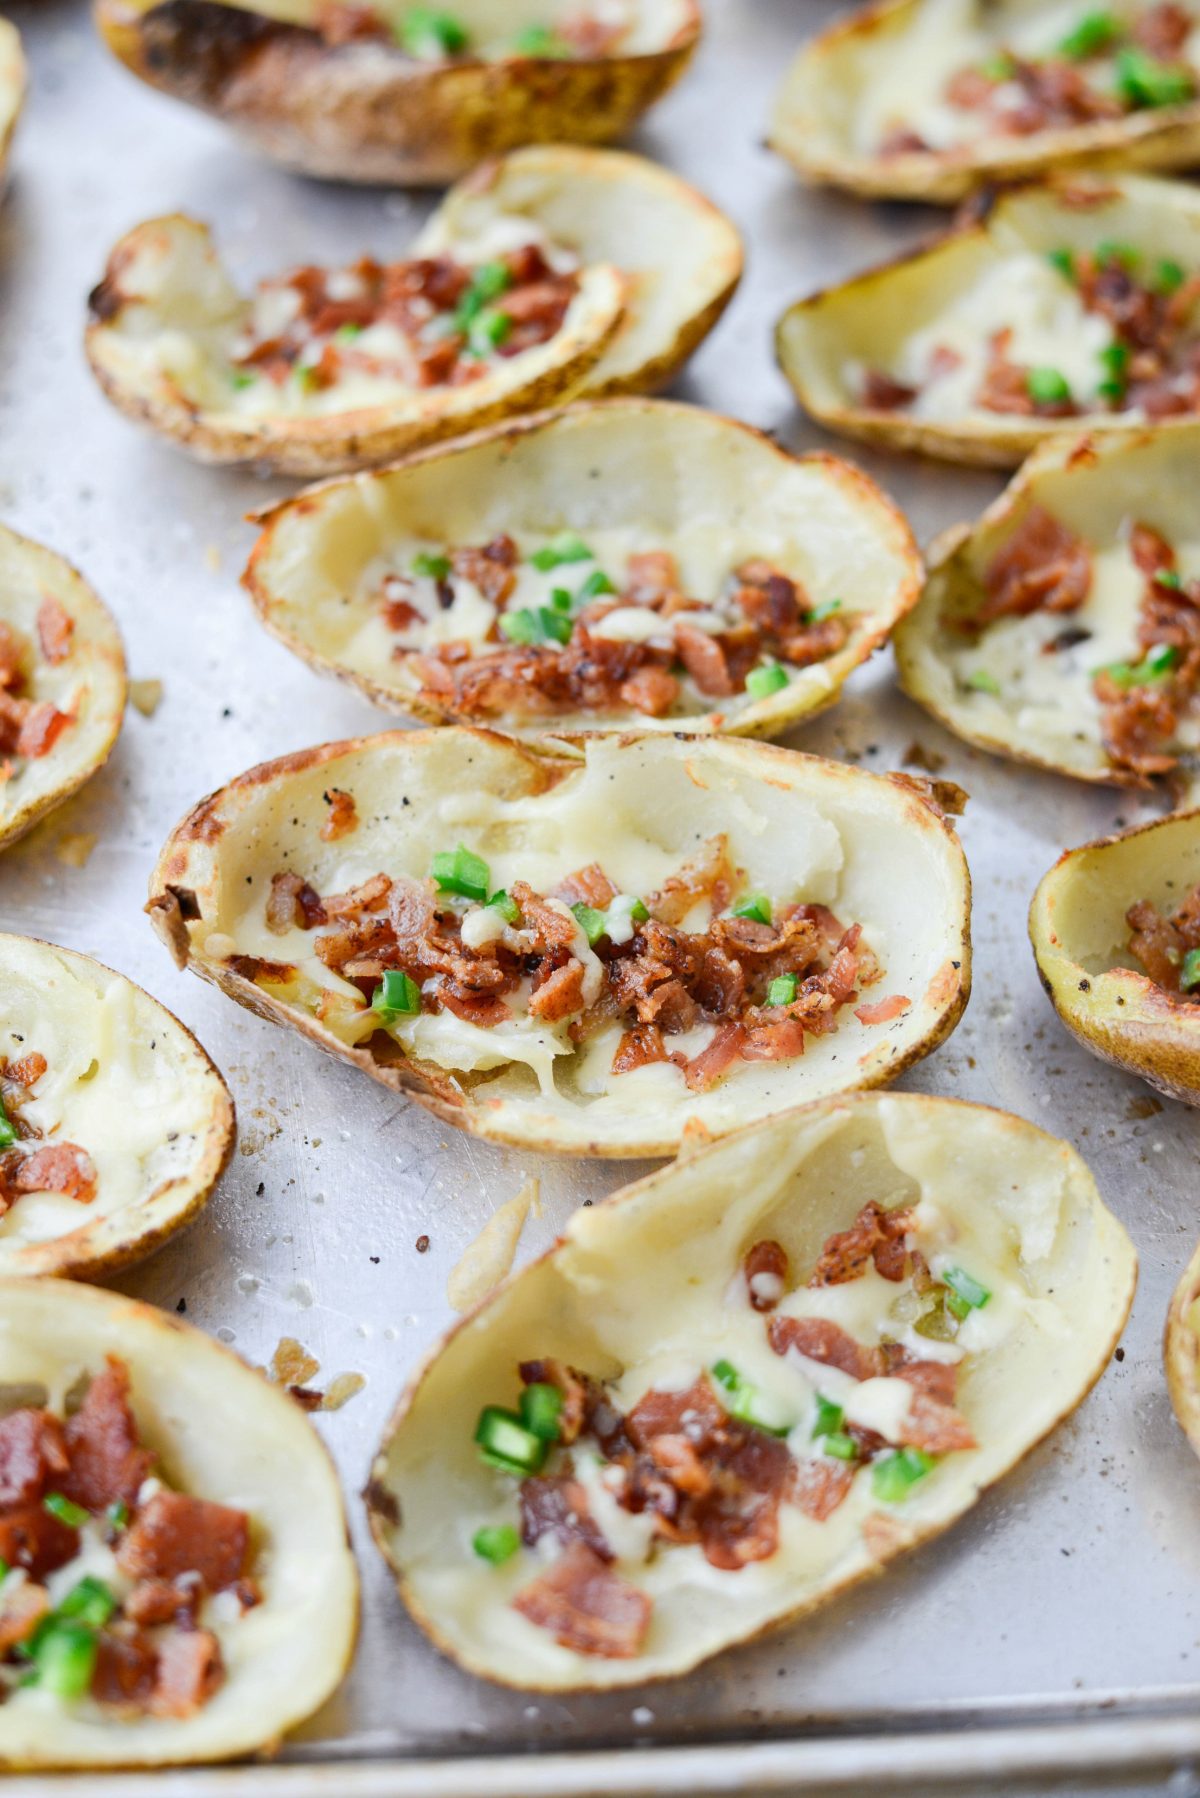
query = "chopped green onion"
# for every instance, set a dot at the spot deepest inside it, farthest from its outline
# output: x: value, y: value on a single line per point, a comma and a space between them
x: 396, y: 996
x: 767, y: 678
x: 540, y: 625
x: 593, y: 923
x: 73, y: 1515
x: 1160, y: 660
x: 597, y: 582
x: 1124, y: 254
x: 8, y: 1133
x: 64, y: 1658
x: 1141, y: 81
x: 243, y: 377
x: 755, y: 906
x: 497, y: 1543
x: 347, y: 333
x: 1094, y: 32
x: 840, y: 1446
x: 1189, y: 973
x: 1168, y: 577
x: 1169, y: 276
x: 436, y: 568
x: 461, y: 871
x: 5, y: 1569
x: 965, y: 1294
x: 1047, y: 386
x: 727, y: 1375
x: 761, y: 1411
x: 999, y: 67
x: 638, y: 912
x: 1154, y: 666
x: 117, y: 1515
x: 425, y: 32
x: 488, y: 332
x: 566, y: 547
x: 540, y: 40
x: 782, y: 990
x: 488, y: 282
x: 90, y: 1601
x: 1063, y: 261
x: 1115, y: 357
x: 983, y: 682
x: 829, y: 1418
x: 825, y: 610
x: 560, y: 599
x: 506, y: 1443
x: 894, y: 1476
x: 541, y: 1404
x: 508, y: 908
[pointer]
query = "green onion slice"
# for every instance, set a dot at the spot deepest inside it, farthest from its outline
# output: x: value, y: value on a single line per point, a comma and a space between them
x: 755, y: 906
x: 965, y: 1294
x: 597, y: 582
x: 894, y: 1476
x: 826, y: 609
x: 726, y: 1374
x: 983, y: 682
x: 1094, y: 32
x: 1047, y: 386
x: 829, y: 1418
x: 1064, y: 261
x: 564, y: 548
x: 507, y: 1443
x: 434, y: 567
x: 508, y: 908
x: 1141, y: 81
x: 8, y: 1133
x: 1189, y: 973
x: 429, y: 33
x: 541, y: 1405
x: 841, y: 1446
x: 65, y: 1509
x: 767, y: 678
x: 461, y: 871
x: 488, y: 331
x: 90, y: 1601
x: 396, y: 996
x: 497, y: 1543
x: 64, y: 1658
x: 782, y: 990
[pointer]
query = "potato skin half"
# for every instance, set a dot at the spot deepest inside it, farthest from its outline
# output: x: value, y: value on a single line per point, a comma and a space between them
x: 361, y: 112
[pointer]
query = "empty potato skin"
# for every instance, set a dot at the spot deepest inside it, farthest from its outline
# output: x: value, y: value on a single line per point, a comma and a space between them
x: 681, y: 258
x: 875, y: 311
x: 44, y: 985
x: 657, y: 458
x: 1077, y: 920
x: 1181, y: 1352
x: 93, y: 669
x: 816, y: 103
x: 365, y: 113
x: 207, y: 911
x: 1091, y: 484
x: 169, y: 266
x: 222, y: 1432
x: 598, y: 1298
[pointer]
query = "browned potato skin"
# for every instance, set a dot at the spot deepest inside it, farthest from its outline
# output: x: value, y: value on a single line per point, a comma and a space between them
x: 359, y: 112
x: 1181, y: 1353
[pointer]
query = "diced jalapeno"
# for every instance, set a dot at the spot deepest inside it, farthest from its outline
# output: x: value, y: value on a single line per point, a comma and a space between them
x: 497, y: 1543
x: 461, y: 871
x: 508, y: 908
x: 782, y: 990
x: 1141, y: 81
x: 597, y: 582
x: 593, y: 923
x: 965, y: 1294
x: 541, y: 1405
x: 1064, y: 261
x: 767, y: 678
x: 829, y: 1418
x: 755, y: 906
x: 396, y: 996
x: 894, y: 1476
x: 536, y: 624
x: 841, y: 1446
x: 488, y: 331
x: 64, y: 1658
x: 90, y: 1601
x: 1169, y: 276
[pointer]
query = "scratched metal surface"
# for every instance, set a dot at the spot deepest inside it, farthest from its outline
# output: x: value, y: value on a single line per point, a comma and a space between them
x: 1074, y: 1583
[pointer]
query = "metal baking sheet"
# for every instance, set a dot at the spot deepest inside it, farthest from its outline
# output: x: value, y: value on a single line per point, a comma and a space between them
x: 1055, y: 1633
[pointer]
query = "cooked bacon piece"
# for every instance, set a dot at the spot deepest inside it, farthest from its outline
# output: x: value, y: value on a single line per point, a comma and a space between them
x: 1162, y: 30
x: 638, y: 1048
x: 31, y: 1538
x: 369, y: 896
x: 774, y: 1038
x: 578, y: 1391
x: 1005, y: 384
x: 26, y: 1072
x: 491, y: 569
x: 1044, y: 566
x: 55, y: 628
x: 693, y: 1412
x: 1150, y: 550
x: 651, y: 575
x: 819, y: 1484
x: 651, y: 690
x: 765, y: 1267
x: 884, y: 1010
x: 536, y: 312
x: 343, y: 815
x: 816, y: 642
x: 587, y: 1607
x: 11, y: 659
x: 189, y: 1671
x: 174, y: 1534
x: 1135, y: 724
x: 900, y: 140
x: 557, y: 1505
x: 705, y: 660
x: 32, y: 1456
x: 1160, y: 943
x: 937, y: 1428
x: 937, y: 1379
x: 124, y: 1674
x: 292, y: 904
x: 344, y: 22
x: 260, y: 968
x: 587, y: 886
x: 40, y: 729
x: 162, y: 1601
x: 768, y: 598
x: 676, y: 1457
x: 704, y: 1070
x: 20, y: 1614
x: 739, y: 1519
x: 59, y: 1167
x: 108, y: 1463
x: 881, y: 392
x: 820, y: 1339
x: 553, y: 928
x: 559, y: 996
x: 875, y: 1235
x: 705, y: 875
x: 589, y: 36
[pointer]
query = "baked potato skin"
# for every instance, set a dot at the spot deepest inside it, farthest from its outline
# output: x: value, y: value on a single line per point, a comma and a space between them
x: 1181, y: 1353
x: 188, y: 865
x: 16, y: 78
x: 360, y: 112
x: 1154, y: 141
x: 1120, y: 1015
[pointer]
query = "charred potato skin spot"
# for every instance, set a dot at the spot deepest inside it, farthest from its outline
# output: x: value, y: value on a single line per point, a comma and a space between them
x: 365, y: 113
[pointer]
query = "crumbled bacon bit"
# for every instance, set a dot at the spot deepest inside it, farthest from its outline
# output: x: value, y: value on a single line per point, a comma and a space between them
x: 55, y: 628
x: 31, y: 1538
x: 556, y: 1505
x: 819, y: 1484
x: 124, y: 1674
x: 20, y: 1613
x: 587, y: 1607
x: 765, y: 1267
x: 188, y: 1672
x: 108, y: 1463
x: 1160, y: 943
x: 876, y: 1235
x: 884, y: 1010
x: 175, y: 1534
x: 881, y: 392
x: 343, y: 815
x: 32, y: 1452
x: 292, y: 904
x: 820, y: 1339
x: 1043, y: 566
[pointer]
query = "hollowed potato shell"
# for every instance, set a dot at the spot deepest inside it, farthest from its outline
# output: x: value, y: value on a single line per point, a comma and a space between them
x: 681, y: 258
x: 127, y: 1083
x: 1094, y: 486
x: 221, y: 1432
x: 1181, y: 1351
x: 1080, y: 937
x: 166, y: 310
x: 13, y: 79
x: 648, y: 1272
x: 818, y: 123
x: 868, y: 318
x: 365, y: 112
x: 678, y: 473
x: 638, y: 805
x: 91, y: 676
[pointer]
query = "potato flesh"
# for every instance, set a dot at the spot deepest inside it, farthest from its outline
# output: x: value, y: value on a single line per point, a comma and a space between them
x: 643, y: 1291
